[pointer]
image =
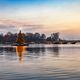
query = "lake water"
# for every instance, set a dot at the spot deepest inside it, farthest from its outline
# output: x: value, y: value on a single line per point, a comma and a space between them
x: 40, y: 62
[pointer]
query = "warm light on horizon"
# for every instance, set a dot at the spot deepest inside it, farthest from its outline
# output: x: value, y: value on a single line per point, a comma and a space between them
x: 53, y: 16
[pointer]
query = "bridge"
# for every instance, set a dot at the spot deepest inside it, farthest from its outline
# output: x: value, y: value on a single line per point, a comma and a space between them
x: 66, y: 42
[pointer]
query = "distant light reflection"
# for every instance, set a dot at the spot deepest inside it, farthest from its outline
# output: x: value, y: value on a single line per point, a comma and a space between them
x: 20, y: 50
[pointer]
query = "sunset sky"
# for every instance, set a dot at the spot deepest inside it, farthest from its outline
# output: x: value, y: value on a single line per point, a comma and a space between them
x: 44, y: 16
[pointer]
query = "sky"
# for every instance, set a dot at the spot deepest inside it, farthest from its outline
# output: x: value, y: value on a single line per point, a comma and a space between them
x: 43, y: 16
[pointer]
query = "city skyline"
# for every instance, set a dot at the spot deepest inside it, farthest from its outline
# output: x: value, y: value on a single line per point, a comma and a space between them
x: 43, y: 16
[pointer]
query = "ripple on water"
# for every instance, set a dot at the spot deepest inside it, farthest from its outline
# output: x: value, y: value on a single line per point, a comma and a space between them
x: 56, y: 63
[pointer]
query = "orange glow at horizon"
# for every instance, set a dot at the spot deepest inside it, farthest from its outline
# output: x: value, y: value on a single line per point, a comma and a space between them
x: 48, y: 19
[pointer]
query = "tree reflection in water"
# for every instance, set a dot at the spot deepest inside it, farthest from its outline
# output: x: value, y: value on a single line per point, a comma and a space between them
x: 28, y: 52
x: 20, y: 50
x: 41, y: 51
x: 54, y: 50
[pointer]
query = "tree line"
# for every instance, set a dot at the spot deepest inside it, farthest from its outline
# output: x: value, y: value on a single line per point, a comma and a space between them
x: 10, y: 38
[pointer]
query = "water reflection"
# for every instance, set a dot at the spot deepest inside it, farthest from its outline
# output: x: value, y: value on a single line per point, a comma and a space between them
x: 13, y: 53
x: 20, y: 50
x: 42, y: 51
x: 54, y: 50
x: 36, y: 51
x: 60, y: 62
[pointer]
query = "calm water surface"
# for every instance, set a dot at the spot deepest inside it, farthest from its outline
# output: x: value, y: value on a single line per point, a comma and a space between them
x: 40, y: 62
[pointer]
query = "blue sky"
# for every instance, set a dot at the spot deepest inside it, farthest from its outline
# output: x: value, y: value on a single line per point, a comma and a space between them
x: 46, y: 16
x: 35, y: 2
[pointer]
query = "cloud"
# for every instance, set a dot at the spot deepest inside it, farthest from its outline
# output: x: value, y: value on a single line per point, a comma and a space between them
x: 45, y: 19
x: 10, y: 25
